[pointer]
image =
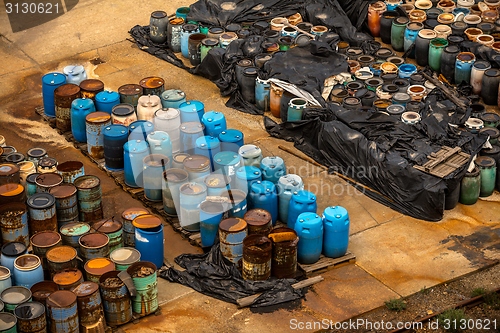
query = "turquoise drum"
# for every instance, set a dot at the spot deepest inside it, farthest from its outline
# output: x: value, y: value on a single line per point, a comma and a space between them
x: 172, y: 98
x: 262, y: 94
x: 80, y: 108
x: 192, y: 111
x: 215, y: 123
x: 296, y: 108
x: 231, y: 140
x: 149, y: 240
x: 50, y: 82
x: 246, y: 176
x: 302, y: 201
x: 210, y: 217
x: 410, y: 36
x: 134, y: 153
x: 309, y: 228
x: 263, y: 196
x: 105, y: 100
x: 335, y: 231
x: 146, y: 285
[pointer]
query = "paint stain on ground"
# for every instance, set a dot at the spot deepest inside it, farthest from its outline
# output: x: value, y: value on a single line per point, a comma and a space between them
x: 472, y: 247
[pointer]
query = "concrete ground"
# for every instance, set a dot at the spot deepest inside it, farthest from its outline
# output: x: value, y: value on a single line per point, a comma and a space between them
x: 395, y: 255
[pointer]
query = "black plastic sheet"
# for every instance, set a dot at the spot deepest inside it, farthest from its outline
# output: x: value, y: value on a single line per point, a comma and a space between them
x: 211, y: 274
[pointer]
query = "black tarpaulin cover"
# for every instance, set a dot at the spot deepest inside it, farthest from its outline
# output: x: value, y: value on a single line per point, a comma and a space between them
x: 213, y: 275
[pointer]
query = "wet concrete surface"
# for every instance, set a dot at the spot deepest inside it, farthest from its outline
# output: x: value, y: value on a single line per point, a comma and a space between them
x: 395, y: 255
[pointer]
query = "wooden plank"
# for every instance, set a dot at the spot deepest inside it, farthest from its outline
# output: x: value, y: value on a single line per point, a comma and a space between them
x: 325, y: 263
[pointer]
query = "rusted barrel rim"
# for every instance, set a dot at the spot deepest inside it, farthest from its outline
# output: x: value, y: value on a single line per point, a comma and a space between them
x: 57, y: 248
x: 18, y: 316
x: 137, y: 265
x: 111, y: 274
x: 45, y: 246
x: 13, y: 206
x: 93, y: 247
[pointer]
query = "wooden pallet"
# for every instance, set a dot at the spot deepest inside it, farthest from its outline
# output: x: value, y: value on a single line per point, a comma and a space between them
x: 325, y: 264
x: 444, y: 162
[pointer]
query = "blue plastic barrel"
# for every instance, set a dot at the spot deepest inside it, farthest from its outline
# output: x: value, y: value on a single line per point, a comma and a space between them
x: 105, y: 100
x: 246, y: 176
x: 10, y: 251
x: 309, y: 228
x: 80, y: 108
x: 302, y: 201
x: 238, y: 202
x: 273, y: 167
x: 28, y: 270
x: 191, y: 196
x: 210, y: 218
x: 287, y: 185
x: 207, y: 146
x: 149, y: 238
x: 172, y: 98
x: 154, y: 166
x: 263, y: 195
x: 226, y: 163
x: 231, y: 140
x: 114, y: 137
x: 62, y: 311
x: 191, y: 111
x: 50, y: 82
x: 336, y: 231
x: 262, y: 94
x: 189, y: 133
x: 140, y: 129
x: 215, y: 123
x: 133, y: 155
x: 160, y: 143
x: 96, y: 122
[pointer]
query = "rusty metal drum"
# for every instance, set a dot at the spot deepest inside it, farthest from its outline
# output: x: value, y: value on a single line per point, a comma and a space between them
x: 68, y: 278
x: 90, y: 88
x: 70, y: 170
x: 45, y: 181
x: 9, y: 173
x: 259, y: 221
x: 130, y: 93
x: 123, y: 114
x: 66, y: 203
x: 128, y: 216
x: 14, y: 223
x: 232, y: 232
x: 42, y: 213
x: 257, y: 254
x: 63, y: 97
x: 90, y: 310
x: 42, y: 242
x: 46, y: 165
x: 95, y: 245
x: 113, y: 229
x: 72, y: 232
x: 145, y: 280
x: 115, y: 299
x: 95, y: 123
x: 63, y: 312
x: 10, y: 193
x: 60, y: 258
x: 152, y: 85
x: 284, y: 260
x: 41, y: 290
x: 95, y: 268
x: 89, y: 196
x: 31, y: 317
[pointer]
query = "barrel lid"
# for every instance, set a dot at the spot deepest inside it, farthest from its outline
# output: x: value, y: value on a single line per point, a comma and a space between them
x: 304, y: 196
x: 36, y: 152
x: 29, y: 310
x: 249, y: 151
x: 54, y: 79
x: 272, y: 161
x: 484, y: 161
x: 99, y: 266
x: 213, y: 116
x: 493, y: 151
x: 210, y: 41
x: 257, y: 217
x: 4, y: 273
x: 8, y: 150
x: 98, y: 117
x: 249, y: 172
x: 152, y: 82
x: 130, y: 89
x: 491, y: 131
x: 92, y: 85
x: 14, y: 209
x: 490, y: 117
x: 107, y: 226
x: 61, y: 299
x: 410, y: 117
x: 83, y: 104
x: 70, y: 166
x: 7, y: 169
x: 176, y: 21
x: 73, y: 69
x: 482, y: 64
x: 176, y: 175
x: 156, y: 160
x: 123, y: 109
x: 87, y: 182
x: 180, y: 157
x: 492, y: 72
x: 107, y: 96
x: 86, y: 288
x: 136, y: 146
x: 115, y: 130
x: 46, y: 238
x: 158, y: 136
x: 207, y: 142
x: 227, y: 158
x: 337, y: 212
x: 94, y: 240
x: 48, y: 179
x: 217, y: 180
x: 308, y: 217
x: 191, y: 106
x: 131, y: 213
x: 216, y: 30
x: 167, y: 113
x: 474, y: 123
x: 75, y: 229
x: 7, y: 321
x: 63, y: 190
x: 146, y: 221
x: 230, y: 135
x: 395, y: 109
x: 67, y: 277
x: 196, y: 162
x: 11, y: 189
x: 173, y: 95
x: 263, y: 187
x: 60, y: 254
x: 192, y: 127
x: 43, y: 289
x: 47, y: 162
x: 192, y: 188
x: 233, y: 224
x: 27, y: 261
x: 290, y: 181
x: 13, y: 249
x: 144, y: 125
x: 67, y: 90
x: 41, y: 200
x: 125, y: 255
x: 15, y: 157
x: 251, y: 71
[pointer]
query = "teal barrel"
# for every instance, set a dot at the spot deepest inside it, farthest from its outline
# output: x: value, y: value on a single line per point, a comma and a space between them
x: 296, y: 108
x: 215, y: 123
x: 191, y: 196
x: 262, y: 94
x: 80, y: 109
x: 14, y: 223
x: 124, y: 257
x: 207, y: 146
x: 172, y: 98
x: 309, y: 228
x: 463, y: 66
x: 71, y: 233
x: 30, y: 184
x: 8, y: 323
x: 154, y: 166
x: 192, y: 111
x: 172, y: 180
x: 115, y: 299
x: 436, y: 48
x: 70, y: 170
x: 94, y: 245
x: 301, y: 201
x: 397, y: 33
x: 63, y: 312
x: 287, y: 185
x: 31, y: 318
x: 95, y: 123
x: 246, y: 176
x: 133, y: 155
x: 89, y: 194
x: 336, y: 231
x: 210, y: 217
x: 128, y: 216
x: 114, y: 137
x: 105, y: 100
x: 149, y: 239
x: 231, y: 140
x: 28, y: 270
x: 273, y: 167
x: 226, y: 163
x: 90, y: 309
x: 66, y: 203
x: 113, y: 229
x: 232, y: 232
x: 488, y: 170
x: 263, y: 195
x: 13, y: 296
x: 50, y: 82
x: 145, y: 280
x: 410, y: 36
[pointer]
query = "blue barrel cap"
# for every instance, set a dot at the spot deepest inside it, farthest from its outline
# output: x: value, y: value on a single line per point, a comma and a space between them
x: 227, y: 158
x: 191, y: 106
x: 212, y: 116
x: 115, y: 130
x: 41, y: 200
x: 173, y: 95
x: 192, y: 127
x: 263, y: 186
x: 230, y: 135
x: 207, y: 142
x: 304, y: 196
x: 29, y: 310
x: 337, y: 212
x: 248, y: 172
x: 82, y: 103
x: 107, y: 96
x: 136, y: 146
x: 13, y: 249
x: 54, y: 78
x: 308, y: 217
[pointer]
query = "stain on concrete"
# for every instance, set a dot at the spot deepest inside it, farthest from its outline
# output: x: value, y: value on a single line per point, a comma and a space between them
x: 472, y: 246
